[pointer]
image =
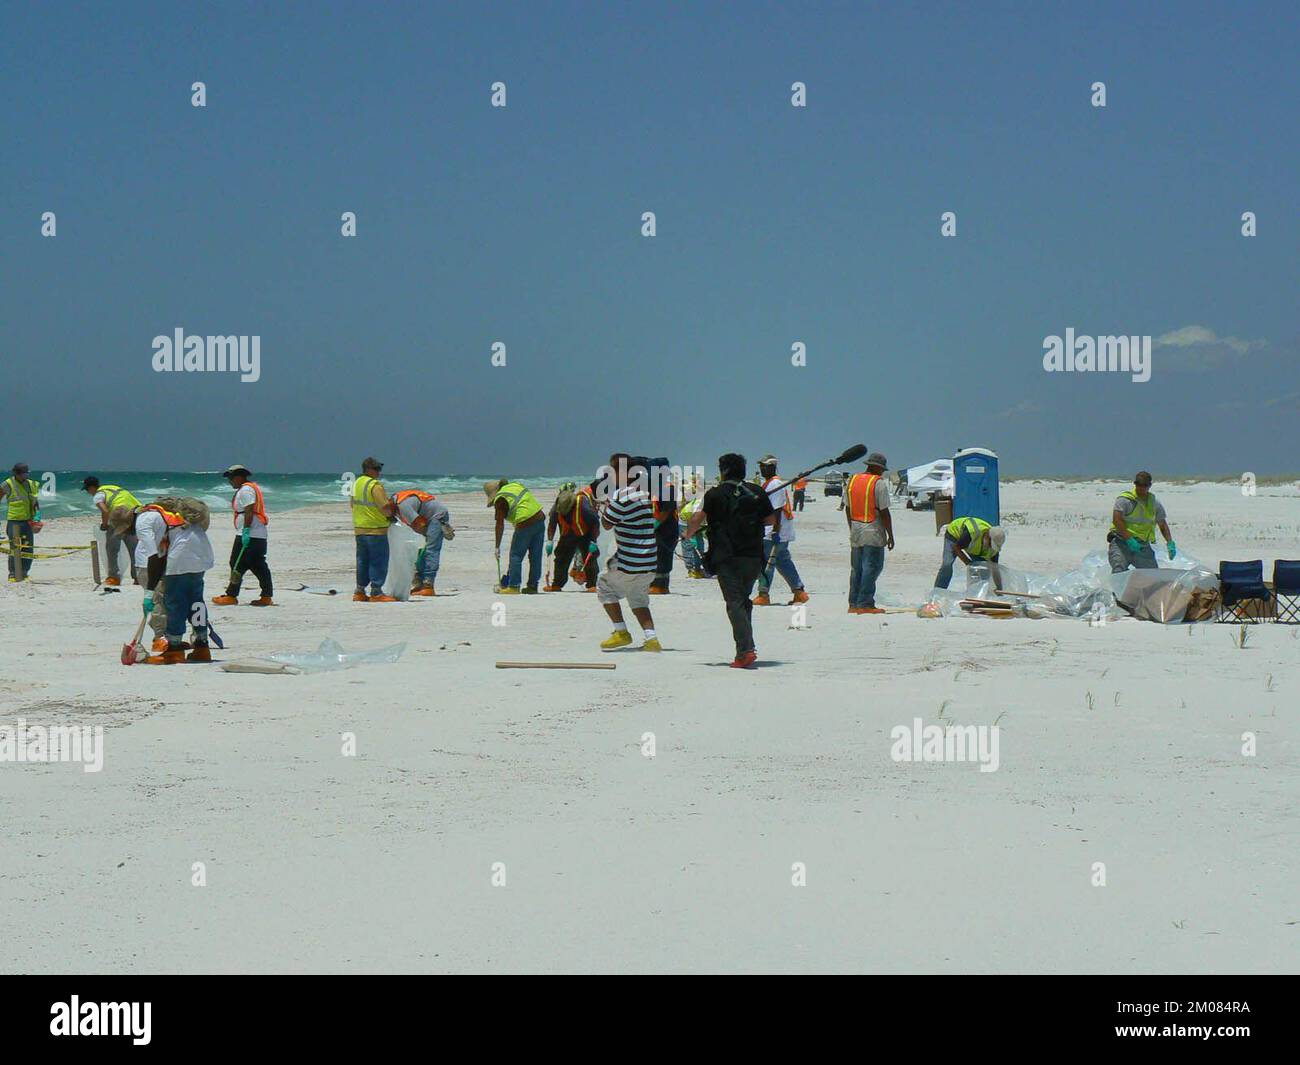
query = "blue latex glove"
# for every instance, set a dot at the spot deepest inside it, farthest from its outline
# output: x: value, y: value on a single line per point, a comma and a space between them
x: 245, y: 536
x: 1133, y: 544
x: 594, y: 549
x: 550, y: 547
x: 148, y: 603
x: 1173, y: 548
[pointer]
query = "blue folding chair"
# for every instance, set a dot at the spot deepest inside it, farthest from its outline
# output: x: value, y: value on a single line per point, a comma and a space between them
x: 1241, y: 583
x: 1286, y: 591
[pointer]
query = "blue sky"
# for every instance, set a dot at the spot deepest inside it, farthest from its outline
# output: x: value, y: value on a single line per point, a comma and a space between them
x: 775, y: 225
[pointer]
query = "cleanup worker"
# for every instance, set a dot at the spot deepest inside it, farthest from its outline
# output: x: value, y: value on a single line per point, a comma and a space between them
x: 106, y: 497
x: 971, y: 540
x: 248, y: 552
x: 800, y: 490
x: 692, y: 546
x: 372, y: 513
x: 663, y: 504
x: 630, y: 513
x: 171, y: 556
x: 422, y: 513
x: 865, y: 502
x: 737, y: 512
x: 578, y: 521
x: 777, y: 538
x: 24, y: 519
x: 514, y: 503
x: 1136, y: 515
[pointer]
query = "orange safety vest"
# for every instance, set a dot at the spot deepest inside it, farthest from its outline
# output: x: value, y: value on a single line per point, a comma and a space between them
x: 173, y: 521
x: 801, y: 484
x: 420, y: 524
x: 259, y: 505
x: 862, y: 497
x: 574, y: 526
x: 788, y: 509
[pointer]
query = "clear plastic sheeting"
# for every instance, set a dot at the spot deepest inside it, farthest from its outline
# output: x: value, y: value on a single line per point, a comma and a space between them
x: 1179, y: 590
x: 123, y: 556
x: 329, y: 655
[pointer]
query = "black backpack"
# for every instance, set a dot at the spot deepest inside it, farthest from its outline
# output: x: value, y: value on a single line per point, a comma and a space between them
x: 732, y: 520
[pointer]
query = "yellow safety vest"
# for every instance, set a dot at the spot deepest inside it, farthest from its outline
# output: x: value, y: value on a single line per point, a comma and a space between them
x: 979, y: 538
x: 117, y: 496
x: 1141, y: 523
x: 365, y: 515
x: 521, y: 503
x: 22, y: 499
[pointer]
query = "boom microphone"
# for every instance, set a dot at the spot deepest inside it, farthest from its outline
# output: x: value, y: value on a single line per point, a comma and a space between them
x: 853, y: 454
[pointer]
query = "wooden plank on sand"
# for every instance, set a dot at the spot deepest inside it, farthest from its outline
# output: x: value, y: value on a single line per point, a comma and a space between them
x: 556, y: 665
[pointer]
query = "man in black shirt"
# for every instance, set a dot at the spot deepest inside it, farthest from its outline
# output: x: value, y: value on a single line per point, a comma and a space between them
x: 736, y: 512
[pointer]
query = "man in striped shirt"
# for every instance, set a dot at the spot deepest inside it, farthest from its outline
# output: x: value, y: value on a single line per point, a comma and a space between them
x: 630, y: 514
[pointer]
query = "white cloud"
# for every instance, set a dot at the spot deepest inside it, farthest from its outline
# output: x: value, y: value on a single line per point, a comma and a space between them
x: 1200, y: 348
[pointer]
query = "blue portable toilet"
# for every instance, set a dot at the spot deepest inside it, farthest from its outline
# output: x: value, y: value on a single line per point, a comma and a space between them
x: 975, y: 485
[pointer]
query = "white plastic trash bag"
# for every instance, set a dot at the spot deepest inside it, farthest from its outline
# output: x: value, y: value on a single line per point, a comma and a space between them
x: 403, y: 546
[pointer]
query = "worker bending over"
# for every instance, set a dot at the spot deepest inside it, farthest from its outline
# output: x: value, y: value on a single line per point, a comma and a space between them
x: 575, y: 516
x: 971, y: 540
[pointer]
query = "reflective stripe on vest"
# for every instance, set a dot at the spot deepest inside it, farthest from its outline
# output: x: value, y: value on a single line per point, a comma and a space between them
x: 365, y: 515
x: 22, y: 499
x: 862, y: 497
x: 788, y: 508
x: 259, y: 504
x: 173, y: 521
x: 979, y: 538
x: 1141, y: 523
x: 520, y: 503
x: 117, y: 496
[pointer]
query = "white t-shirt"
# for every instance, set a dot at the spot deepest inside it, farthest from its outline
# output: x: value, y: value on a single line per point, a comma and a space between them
x: 777, y: 499
x: 246, y: 497
x: 188, y: 551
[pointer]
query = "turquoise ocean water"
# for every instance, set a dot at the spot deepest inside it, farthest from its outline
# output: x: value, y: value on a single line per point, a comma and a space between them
x: 62, y: 494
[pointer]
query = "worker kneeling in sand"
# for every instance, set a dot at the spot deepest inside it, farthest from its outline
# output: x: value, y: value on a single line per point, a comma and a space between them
x: 171, y: 556
x: 248, y: 552
x: 514, y: 503
x: 422, y: 512
x: 106, y: 497
x: 971, y: 540
x: 578, y: 521
x: 1134, y: 519
x: 630, y: 513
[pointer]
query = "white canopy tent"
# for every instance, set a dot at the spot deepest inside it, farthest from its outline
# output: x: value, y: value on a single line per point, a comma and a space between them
x: 930, y: 479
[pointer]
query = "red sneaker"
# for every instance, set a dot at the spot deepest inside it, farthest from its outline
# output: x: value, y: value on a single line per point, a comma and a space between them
x: 745, y: 661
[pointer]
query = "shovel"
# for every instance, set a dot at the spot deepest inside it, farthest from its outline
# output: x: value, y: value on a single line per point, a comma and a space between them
x: 129, y: 649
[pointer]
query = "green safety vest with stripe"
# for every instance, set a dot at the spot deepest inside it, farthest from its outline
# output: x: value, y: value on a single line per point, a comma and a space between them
x: 117, y: 496
x: 520, y: 502
x: 979, y: 535
x: 22, y: 499
x: 365, y: 515
x: 1141, y: 523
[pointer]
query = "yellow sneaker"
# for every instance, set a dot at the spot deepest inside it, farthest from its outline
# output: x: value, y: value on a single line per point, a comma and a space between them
x: 508, y: 591
x: 652, y: 645
x: 617, y: 638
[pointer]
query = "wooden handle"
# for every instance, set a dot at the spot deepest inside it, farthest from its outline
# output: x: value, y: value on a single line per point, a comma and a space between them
x: 556, y: 665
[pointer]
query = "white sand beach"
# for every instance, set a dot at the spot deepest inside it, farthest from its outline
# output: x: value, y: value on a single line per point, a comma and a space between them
x: 1119, y: 744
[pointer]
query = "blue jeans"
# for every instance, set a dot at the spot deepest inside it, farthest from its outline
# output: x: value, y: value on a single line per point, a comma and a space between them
x: 14, y: 530
x: 782, y: 563
x: 183, y: 595
x: 432, y: 553
x: 867, y: 563
x: 944, y: 577
x: 690, y: 555
x: 526, y: 540
x: 372, y: 563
